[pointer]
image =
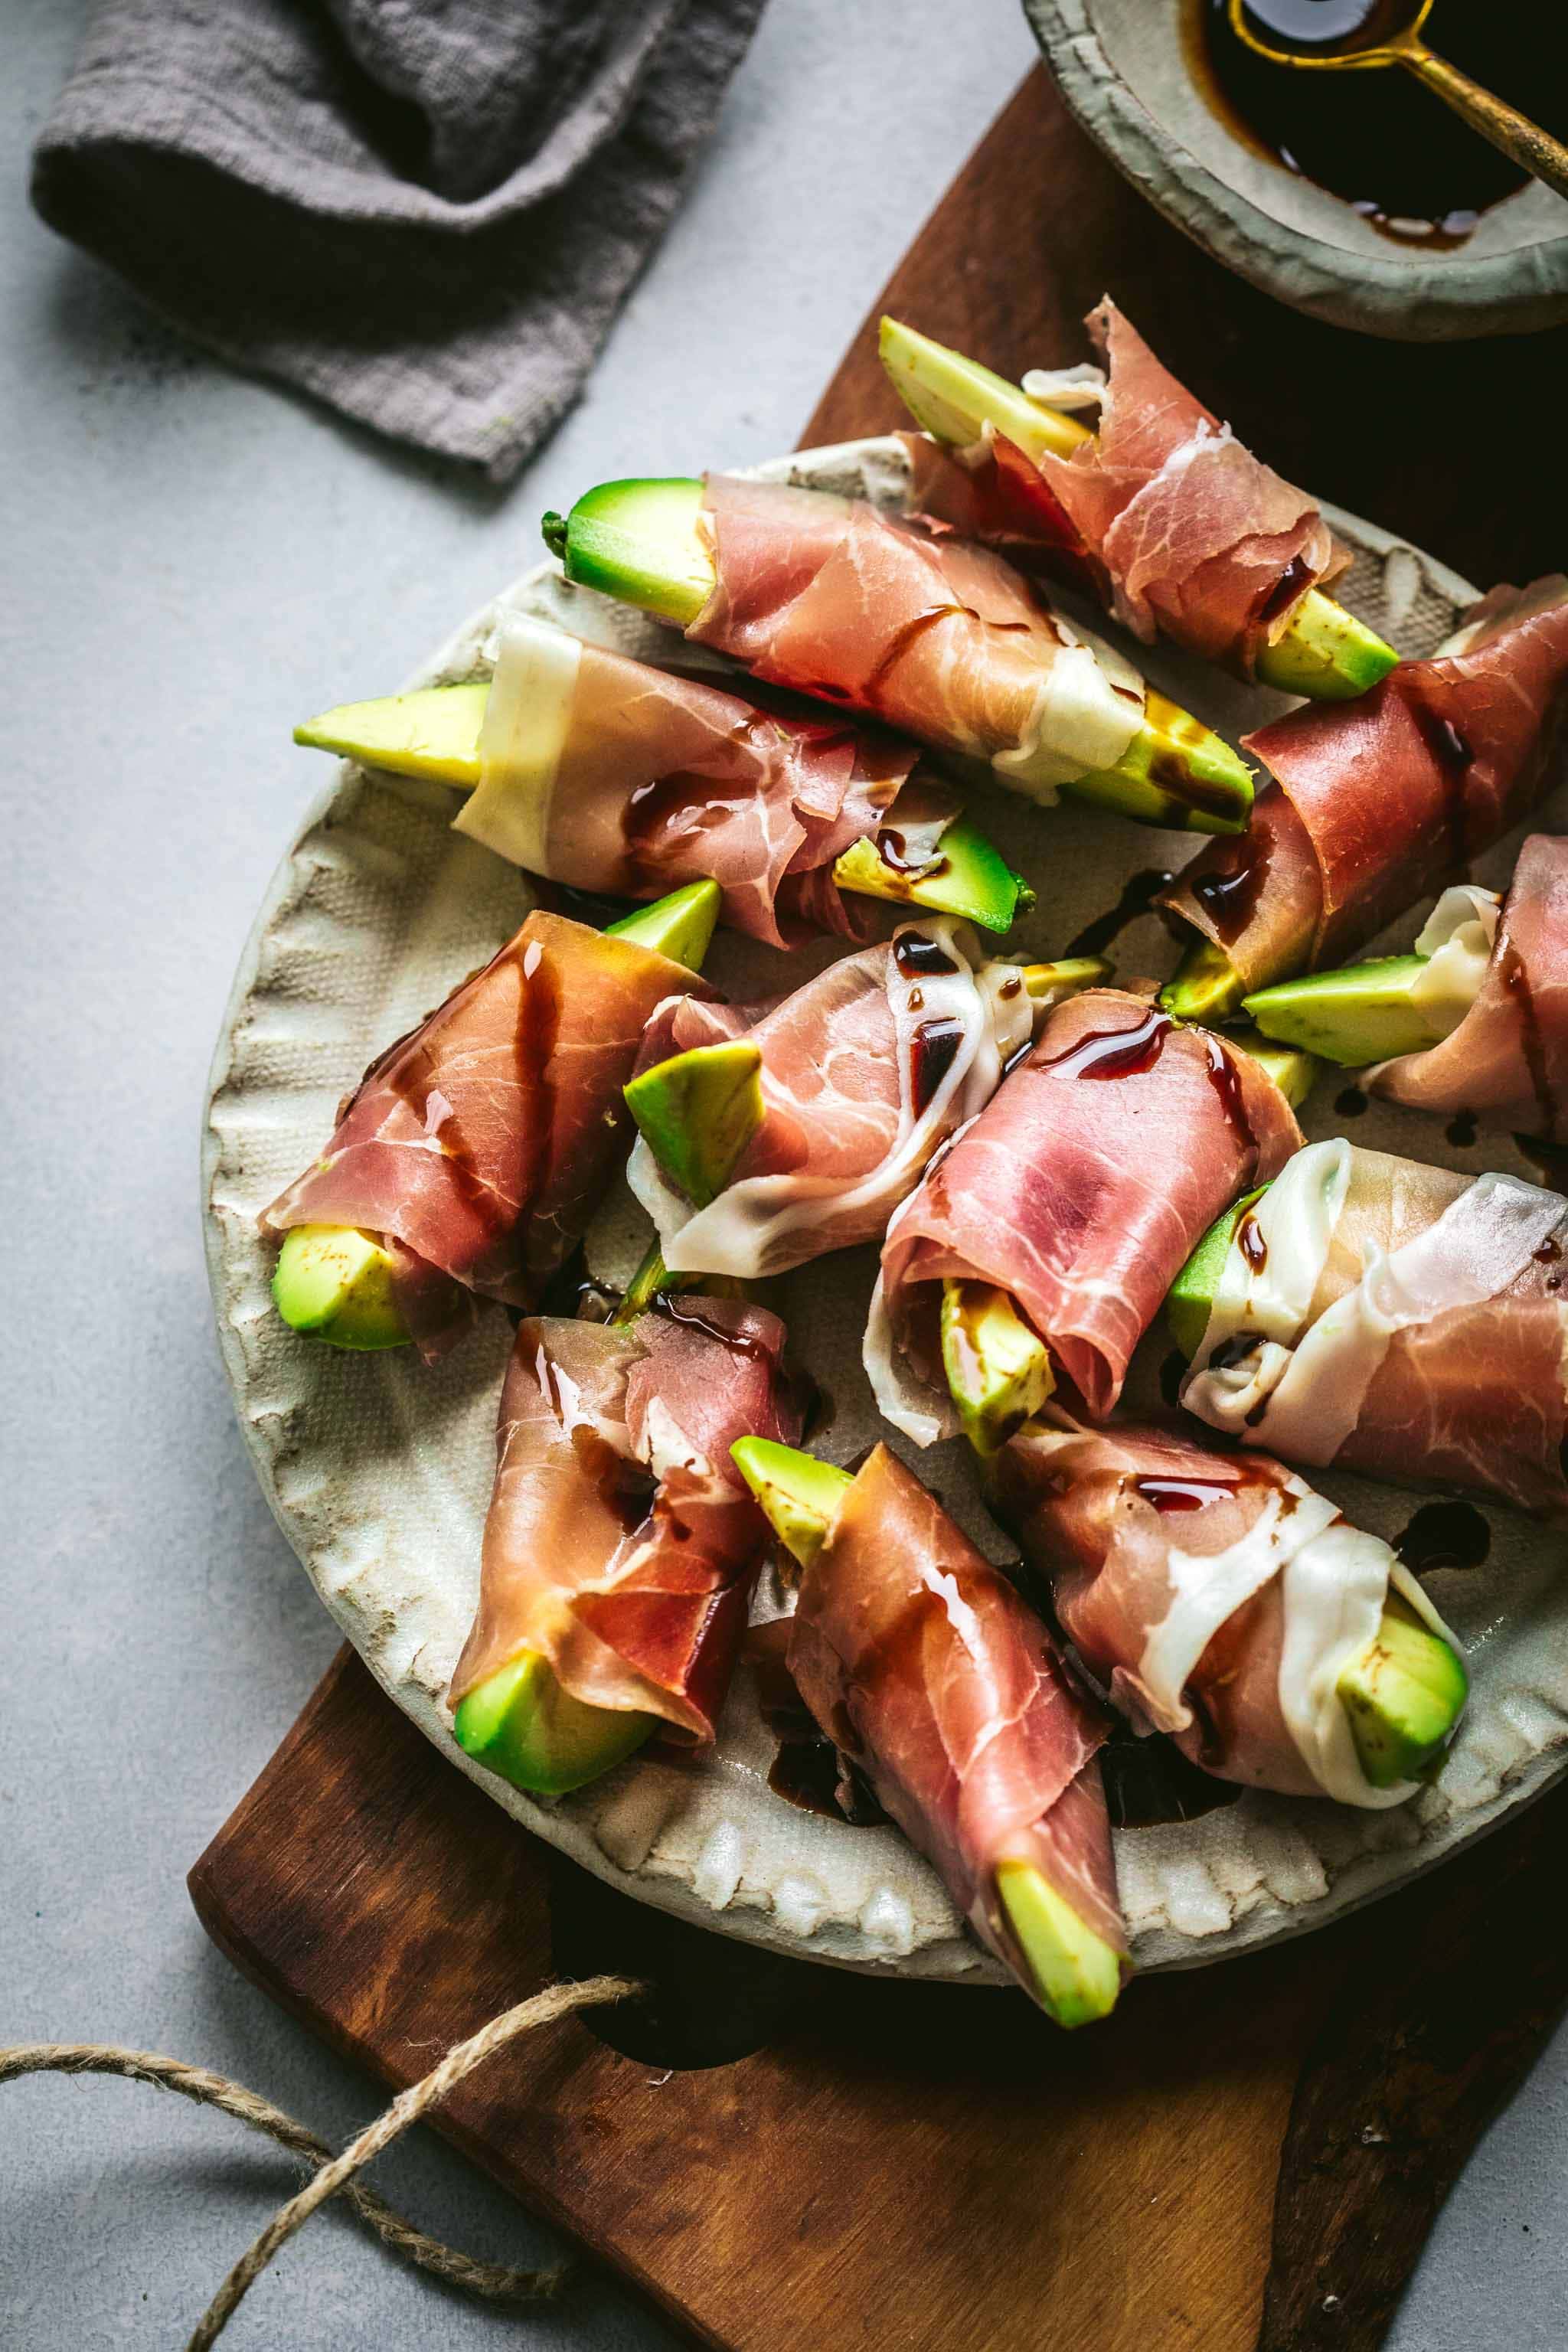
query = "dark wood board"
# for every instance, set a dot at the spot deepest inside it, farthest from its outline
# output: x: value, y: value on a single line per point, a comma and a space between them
x: 1246, y: 2159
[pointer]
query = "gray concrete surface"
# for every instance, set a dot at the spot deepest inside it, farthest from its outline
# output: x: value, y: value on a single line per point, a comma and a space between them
x: 190, y: 562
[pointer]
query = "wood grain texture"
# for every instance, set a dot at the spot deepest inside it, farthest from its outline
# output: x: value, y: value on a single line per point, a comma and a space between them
x: 1457, y: 445
x: 929, y: 2167
x: 888, y: 2165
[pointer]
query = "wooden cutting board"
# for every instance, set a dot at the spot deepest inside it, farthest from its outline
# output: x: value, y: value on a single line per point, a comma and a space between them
x: 786, y: 2158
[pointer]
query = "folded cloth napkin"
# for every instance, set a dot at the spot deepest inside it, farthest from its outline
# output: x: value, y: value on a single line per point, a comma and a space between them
x: 426, y: 212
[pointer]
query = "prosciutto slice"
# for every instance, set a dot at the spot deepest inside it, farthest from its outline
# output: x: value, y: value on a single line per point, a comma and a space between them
x: 481, y: 1142
x: 1507, y: 1060
x: 1377, y: 802
x: 922, y: 1663
x: 621, y: 1540
x: 1402, y: 1321
x: 889, y: 617
x: 1177, y: 525
x: 865, y: 1072
x: 612, y: 776
x: 1082, y: 1190
x: 1216, y: 1596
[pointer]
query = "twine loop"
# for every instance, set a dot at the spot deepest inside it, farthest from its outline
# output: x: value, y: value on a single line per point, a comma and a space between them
x: 336, y: 2174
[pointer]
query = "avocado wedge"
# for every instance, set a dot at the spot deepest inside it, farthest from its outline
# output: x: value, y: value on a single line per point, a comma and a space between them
x: 1323, y: 651
x: 1295, y: 1073
x: 800, y: 1496
x: 337, y: 1283
x: 1366, y: 1012
x: 520, y: 1723
x: 1403, y: 1694
x: 998, y: 1370
x: 697, y: 1111
x: 972, y: 878
x: 680, y: 928
x: 1205, y: 985
x: 1189, y: 1302
x: 433, y: 733
x: 1076, y: 1974
x: 636, y: 541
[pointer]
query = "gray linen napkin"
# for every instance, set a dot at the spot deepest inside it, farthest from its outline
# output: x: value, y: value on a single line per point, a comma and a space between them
x: 426, y: 212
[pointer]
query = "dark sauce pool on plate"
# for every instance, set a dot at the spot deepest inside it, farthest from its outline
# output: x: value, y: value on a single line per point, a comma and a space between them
x: 1375, y: 138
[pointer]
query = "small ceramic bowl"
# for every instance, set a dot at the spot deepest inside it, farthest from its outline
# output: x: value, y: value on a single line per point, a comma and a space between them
x: 1126, y: 69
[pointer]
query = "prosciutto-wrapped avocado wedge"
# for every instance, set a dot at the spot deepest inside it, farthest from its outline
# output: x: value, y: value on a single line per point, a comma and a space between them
x: 622, y: 1542
x: 905, y: 623
x: 1377, y: 802
x: 473, y: 1150
x: 1164, y: 515
x: 1039, y: 1248
x: 1390, y: 1318
x: 924, y: 1663
x: 1218, y: 1599
x: 615, y: 777
x: 772, y: 1134
x: 1476, y: 1020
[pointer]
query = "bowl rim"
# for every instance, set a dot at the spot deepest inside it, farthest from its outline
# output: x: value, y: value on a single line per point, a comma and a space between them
x: 1417, y: 300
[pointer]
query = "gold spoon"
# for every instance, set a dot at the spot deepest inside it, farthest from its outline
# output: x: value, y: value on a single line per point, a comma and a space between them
x: 1546, y: 158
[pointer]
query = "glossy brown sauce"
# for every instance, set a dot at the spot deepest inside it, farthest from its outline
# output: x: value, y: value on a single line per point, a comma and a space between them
x: 1455, y: 758
x: 1444, y: 1535
x: 1185, y: 1494
x: 692, y: 1310
x: 933, y: 1049
x: 1461, y: 1129
x: 1137, y: 896
x: 1224, y: 1077
x: 1351, y: 1102
x: 1173, y: 1372
x: 1374, y: 138
x: 917, y: 958
x: 1228, y: 895
x: 1108, y: 1053
x: 893, y: 848
x: 1251, y: 1242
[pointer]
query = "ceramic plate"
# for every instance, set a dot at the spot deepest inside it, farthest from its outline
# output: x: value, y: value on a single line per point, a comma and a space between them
x: 380, y: 1472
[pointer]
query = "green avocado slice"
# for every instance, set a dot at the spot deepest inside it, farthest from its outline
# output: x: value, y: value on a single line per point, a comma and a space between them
x: 800, y: 1496
x: 1075, y: 1974
x: 637, y: 540
x: 1323, y: 651
x: 521, y: 1724
x: 1189, y: 1302
x: 973, y: 880
x: 337, y: 1283
x: 434, y: 732
x: 680, y: 927
x: 1205, y: 985
x: 1293, y: 1072
x: 697, y: 1111
x: 1403, y: 1694
x: 954, y: 398
x: 998, y: 1370
x: 1366, y: 1012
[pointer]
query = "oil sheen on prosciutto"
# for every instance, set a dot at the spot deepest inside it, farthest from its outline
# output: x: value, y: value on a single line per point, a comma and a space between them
x: 1379, y: 800
x: 1394, y: 1318
x: 922, y: 1663
x: 612, y: 776
x: 1215, y: 1596
x: 1081, y: 1188
x: 908, y: 623
x: 1184, y: 530
x: 622, y: 1542
x: 481, y: 1142
x: 866, y: 1071
x: 1506, y: 1061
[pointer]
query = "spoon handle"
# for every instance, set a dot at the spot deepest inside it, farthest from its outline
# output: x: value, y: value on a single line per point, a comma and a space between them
x: 1546, y: 158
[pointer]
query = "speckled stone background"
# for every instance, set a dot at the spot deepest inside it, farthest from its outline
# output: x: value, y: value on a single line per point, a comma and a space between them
x: 192, y: 560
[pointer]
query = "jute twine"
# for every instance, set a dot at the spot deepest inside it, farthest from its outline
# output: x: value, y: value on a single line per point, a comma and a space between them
x: 493, y: 2280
